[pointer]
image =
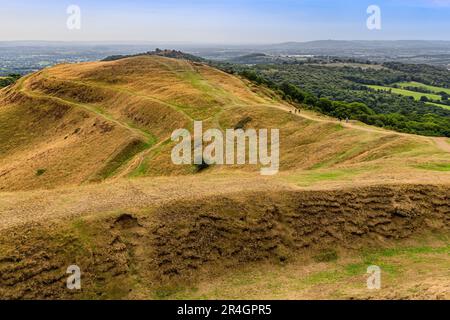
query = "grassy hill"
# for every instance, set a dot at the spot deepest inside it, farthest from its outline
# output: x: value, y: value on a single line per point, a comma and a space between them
x: 76, y: 124
x: 86, y: 178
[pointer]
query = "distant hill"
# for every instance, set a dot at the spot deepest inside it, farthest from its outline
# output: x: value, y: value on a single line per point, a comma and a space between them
x: 261, y: 58
x: 431, y: 52
x: 252, y: 58
x: 175, y: 54
x: 365, y: 44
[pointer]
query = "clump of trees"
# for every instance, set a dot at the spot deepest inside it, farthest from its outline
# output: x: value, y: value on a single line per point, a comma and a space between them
x: 428, y: 124
x: 10, y: 79
x: 424, y: 73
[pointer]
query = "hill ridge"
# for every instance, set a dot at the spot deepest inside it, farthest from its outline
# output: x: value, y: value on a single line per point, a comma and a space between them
x: 88, y: 122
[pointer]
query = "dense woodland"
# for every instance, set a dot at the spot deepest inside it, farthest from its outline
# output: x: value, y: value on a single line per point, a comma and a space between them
x: 6, y: 81
x: 341, y: 92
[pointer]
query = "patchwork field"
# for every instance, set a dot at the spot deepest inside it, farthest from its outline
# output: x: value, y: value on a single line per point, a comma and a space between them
x: 416, y: 95
x: 408, y: 93
x: 424, y: 86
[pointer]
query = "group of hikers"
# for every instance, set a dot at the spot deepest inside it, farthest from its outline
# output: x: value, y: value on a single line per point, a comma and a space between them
x: 297, y: 111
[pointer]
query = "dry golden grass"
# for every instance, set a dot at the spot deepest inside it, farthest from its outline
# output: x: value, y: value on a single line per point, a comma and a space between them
x: 80, y: 145
x: 417, y: 270
x: 161, y: 238
x: 72, y: 124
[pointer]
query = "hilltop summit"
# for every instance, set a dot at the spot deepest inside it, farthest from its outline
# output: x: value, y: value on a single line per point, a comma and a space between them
x: 175, y: 54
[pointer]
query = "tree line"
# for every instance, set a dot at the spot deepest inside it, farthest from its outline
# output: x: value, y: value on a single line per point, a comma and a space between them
x: 428, y: 124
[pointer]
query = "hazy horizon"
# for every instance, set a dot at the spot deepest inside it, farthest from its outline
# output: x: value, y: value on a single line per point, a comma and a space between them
x: 224, y: 22
x: 194, y: 43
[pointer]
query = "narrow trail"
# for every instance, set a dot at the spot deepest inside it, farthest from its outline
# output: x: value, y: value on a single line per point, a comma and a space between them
x: 101, y: 113
x: 148, y: 138
x: 97, y: 112
x: 441, y: 142
x: 126, y: 91
x: 139, y: 158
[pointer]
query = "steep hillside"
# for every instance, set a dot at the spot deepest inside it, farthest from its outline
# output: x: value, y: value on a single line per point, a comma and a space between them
x: 86, y: 179
x: 80, y: 123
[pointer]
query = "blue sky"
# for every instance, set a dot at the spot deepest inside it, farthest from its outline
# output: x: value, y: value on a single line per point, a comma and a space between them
x: 224, y: 21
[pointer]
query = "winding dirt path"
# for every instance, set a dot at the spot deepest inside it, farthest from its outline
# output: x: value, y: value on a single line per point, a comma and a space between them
x: 441, y: 142
x: 91, y: 109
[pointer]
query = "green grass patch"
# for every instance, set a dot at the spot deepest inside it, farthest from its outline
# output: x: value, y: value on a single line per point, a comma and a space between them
x: 278, y: 280
x: 341, y: 157
x: 120, y: 159
x: 403, y: 92
x: 324, y: 277
x: 423, y: 86
x: 374, y: 256
x: 308, y: 178
x: 326, y: 256
x: 143, y: 168
x: 355, y: 269
x: 83, y: 232
x: 166, y: 292
x: 443, y: 167
x: 151, y: 139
